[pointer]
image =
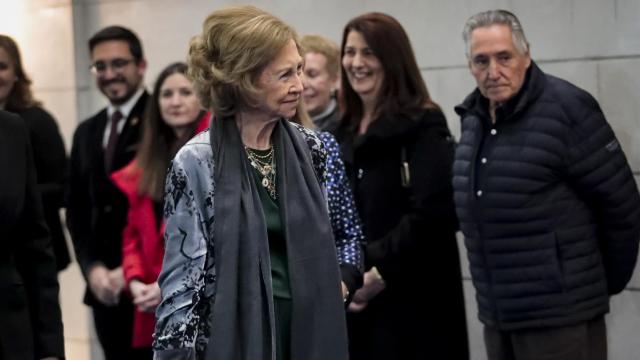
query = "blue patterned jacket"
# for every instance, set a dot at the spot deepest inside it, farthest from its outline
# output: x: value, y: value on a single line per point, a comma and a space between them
x: 188, y: 274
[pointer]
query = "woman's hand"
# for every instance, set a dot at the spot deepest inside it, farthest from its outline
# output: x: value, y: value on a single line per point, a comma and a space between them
x: 148, y: 296
x: 373, y: 285
x: 136, y: 288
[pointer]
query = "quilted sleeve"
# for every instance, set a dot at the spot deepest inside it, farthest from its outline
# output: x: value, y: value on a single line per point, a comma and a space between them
x: 598, y: 169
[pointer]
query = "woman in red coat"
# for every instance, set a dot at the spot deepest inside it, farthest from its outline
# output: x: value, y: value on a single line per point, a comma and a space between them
x: 173, y: 116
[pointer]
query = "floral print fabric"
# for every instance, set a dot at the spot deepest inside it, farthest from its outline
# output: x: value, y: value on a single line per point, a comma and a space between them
x: 188, y: 274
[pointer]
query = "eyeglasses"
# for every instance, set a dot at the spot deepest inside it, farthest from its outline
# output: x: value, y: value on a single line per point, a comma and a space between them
x: 100, y: 67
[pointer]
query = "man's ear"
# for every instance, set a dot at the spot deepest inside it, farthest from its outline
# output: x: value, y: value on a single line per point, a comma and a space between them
x: 142, y: 66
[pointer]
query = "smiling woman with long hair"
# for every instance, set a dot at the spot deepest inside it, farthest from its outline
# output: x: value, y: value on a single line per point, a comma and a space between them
x: 398, y: 153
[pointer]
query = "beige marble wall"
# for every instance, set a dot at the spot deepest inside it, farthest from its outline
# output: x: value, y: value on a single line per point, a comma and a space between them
x: 591, y: 43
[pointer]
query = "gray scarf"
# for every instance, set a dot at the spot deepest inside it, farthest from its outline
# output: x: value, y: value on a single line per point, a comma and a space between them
x: 243, y: 323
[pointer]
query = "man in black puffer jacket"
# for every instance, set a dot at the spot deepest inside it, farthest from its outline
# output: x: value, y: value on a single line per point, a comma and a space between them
x: 546, y: 201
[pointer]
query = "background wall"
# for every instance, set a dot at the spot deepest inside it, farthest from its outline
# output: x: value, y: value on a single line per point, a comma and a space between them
x: 592, y: 43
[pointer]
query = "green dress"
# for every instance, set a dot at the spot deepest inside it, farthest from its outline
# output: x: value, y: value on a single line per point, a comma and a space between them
x: 279, y: 267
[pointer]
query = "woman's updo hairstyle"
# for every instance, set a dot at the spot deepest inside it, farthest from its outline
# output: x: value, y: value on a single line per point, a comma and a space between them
x: 236, y: 44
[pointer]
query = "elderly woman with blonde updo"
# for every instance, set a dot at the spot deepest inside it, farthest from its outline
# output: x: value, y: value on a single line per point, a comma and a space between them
x: 250, y: 269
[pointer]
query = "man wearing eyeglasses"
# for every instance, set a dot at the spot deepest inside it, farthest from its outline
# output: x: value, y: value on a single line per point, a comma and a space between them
x: 96, y: 209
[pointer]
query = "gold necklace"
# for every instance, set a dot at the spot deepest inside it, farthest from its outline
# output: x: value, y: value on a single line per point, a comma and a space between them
x: 266, y: 166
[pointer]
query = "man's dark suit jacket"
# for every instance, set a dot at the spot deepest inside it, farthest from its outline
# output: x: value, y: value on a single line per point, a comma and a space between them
x: 96, y: 209
x: 30, y: 319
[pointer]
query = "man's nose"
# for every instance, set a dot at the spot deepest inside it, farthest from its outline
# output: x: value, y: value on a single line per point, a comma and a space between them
x: 108, y: 73
x: 493, y: 70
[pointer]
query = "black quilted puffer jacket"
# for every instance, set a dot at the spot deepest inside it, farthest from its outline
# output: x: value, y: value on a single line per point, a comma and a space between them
x: 548, y: 206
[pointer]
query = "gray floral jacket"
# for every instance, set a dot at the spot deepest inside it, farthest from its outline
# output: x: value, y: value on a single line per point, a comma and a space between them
x: 188, y: 273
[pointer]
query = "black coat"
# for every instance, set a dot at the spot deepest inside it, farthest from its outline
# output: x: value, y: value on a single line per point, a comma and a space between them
x: 51, y: 165
x: 96, y: 208
x: 548, y: 206
x: 30, y: 319
x: 410, y: 233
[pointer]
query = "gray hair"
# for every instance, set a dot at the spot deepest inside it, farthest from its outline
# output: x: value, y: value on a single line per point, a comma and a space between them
x: 496, y: 17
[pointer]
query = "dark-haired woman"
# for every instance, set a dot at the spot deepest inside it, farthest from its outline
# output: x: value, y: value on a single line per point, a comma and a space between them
x: 48, y: 148
x: 173, y: 116
x: 398, y: 152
